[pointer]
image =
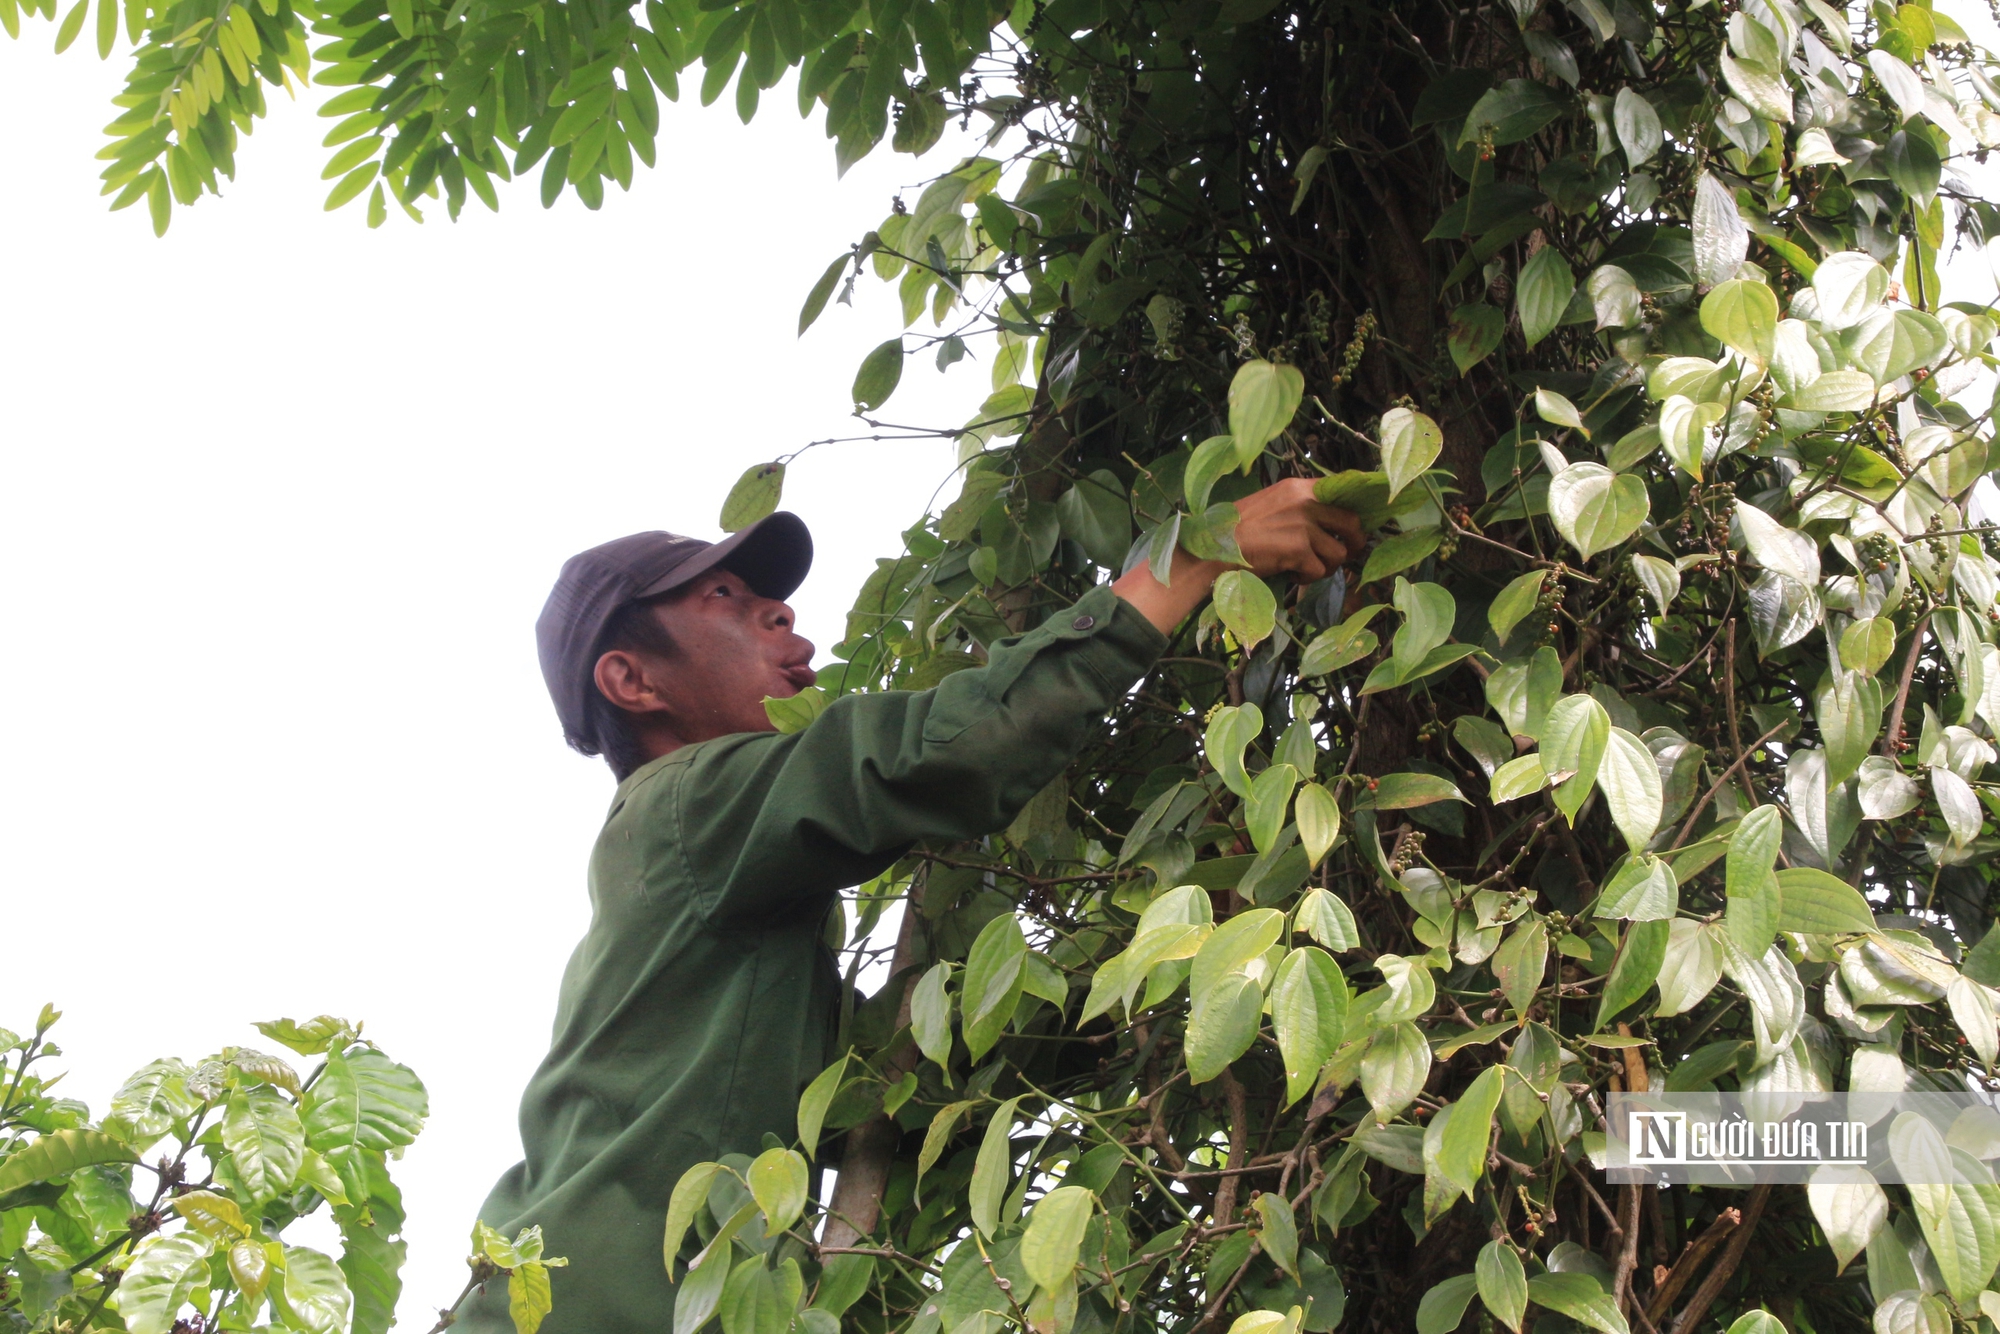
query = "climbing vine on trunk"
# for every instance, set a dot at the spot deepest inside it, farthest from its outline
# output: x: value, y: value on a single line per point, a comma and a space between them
x: 1647, y: 748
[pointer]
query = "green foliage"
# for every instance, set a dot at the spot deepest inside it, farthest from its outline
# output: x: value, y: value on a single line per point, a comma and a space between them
x: 95, y: 1236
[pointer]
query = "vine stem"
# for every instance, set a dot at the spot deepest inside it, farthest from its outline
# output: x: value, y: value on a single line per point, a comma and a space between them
x: 1636, y: 1081
x: 871, y: 1146
x: 1716, y: 786
x: 880, y: 1252
x: 1729, y: 696
x: 1000, y: 1282
x: 1160, y: 1180
x: 1610, y: 1218
x: 1892, y: 739
x: 1239, y: 1144
x: 1539, y: 562
x: 449, y: 1314
x: 1728, y: 613
x: 1690, y: 1259
x: 1732, y: 1255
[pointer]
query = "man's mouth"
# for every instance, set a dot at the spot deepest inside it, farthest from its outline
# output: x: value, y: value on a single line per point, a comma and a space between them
x: 800, y: 674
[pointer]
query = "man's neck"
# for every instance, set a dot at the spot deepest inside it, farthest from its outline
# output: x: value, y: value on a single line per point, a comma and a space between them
x: 656, y: 738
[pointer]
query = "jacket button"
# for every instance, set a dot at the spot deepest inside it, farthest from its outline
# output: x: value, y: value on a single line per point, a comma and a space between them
x: 1083, y: 623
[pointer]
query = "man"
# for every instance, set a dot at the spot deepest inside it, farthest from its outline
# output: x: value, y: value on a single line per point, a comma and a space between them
x: 702, y: 998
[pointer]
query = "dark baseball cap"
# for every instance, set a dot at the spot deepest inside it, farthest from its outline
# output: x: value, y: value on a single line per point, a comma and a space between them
x: 772, y: 556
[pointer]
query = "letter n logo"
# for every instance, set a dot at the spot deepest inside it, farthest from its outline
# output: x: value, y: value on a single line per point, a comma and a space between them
x: 1657, y: 1137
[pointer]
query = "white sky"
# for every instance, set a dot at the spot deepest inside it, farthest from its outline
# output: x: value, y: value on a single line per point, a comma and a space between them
x: 282, y: 499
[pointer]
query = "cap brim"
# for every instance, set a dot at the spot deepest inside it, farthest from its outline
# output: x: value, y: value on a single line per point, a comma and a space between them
x: 772, y: 555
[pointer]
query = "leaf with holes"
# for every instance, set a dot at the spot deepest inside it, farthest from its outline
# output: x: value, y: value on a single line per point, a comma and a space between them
x: 755, y: 495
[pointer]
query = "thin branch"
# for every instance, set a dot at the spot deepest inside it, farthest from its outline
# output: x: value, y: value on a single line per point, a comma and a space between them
x: 1239, y: 1143
x: 884, y: 1252
x: 1892, y: 740
x: 1636, y: 1081
x: 1728, y: 612
x: 1729, y: 693
x: 1732, y: 1255
x: 482, y: 1269
x: 1610, y: 1219
x: 1717, y: 786
x: 1691, y: 1259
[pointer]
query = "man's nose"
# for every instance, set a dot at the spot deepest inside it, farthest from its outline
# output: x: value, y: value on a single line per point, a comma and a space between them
x: 779, y: 615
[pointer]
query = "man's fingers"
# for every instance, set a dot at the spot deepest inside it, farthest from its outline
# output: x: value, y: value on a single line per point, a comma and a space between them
x: 1332, y: 552
x: 1284, y: 529
x: 1309, y: 567
x: 1340, y: 521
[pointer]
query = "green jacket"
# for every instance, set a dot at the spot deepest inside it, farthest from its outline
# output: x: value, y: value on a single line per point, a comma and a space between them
x: 702, y: 998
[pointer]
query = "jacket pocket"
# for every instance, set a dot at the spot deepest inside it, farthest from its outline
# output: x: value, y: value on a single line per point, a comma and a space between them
x: 958, y: 703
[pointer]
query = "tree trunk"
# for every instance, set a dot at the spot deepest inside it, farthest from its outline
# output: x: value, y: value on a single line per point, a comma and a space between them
x: 871, y: 1146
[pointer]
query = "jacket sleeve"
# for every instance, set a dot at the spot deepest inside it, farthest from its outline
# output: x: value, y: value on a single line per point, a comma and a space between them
x: 769, y: 823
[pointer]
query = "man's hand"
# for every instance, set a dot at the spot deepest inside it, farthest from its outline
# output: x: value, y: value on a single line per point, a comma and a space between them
x: 1283, y: 530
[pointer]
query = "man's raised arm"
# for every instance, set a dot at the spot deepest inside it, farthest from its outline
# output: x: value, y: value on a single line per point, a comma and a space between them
x: 769, y: 822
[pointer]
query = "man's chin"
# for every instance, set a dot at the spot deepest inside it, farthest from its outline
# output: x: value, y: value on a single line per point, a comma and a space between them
x: 784, y: 687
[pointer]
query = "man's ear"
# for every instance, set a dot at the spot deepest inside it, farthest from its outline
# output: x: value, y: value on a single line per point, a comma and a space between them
x: 625, y: 679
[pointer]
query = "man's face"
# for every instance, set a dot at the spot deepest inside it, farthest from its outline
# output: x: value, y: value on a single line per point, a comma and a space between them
x: 734, y: 649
